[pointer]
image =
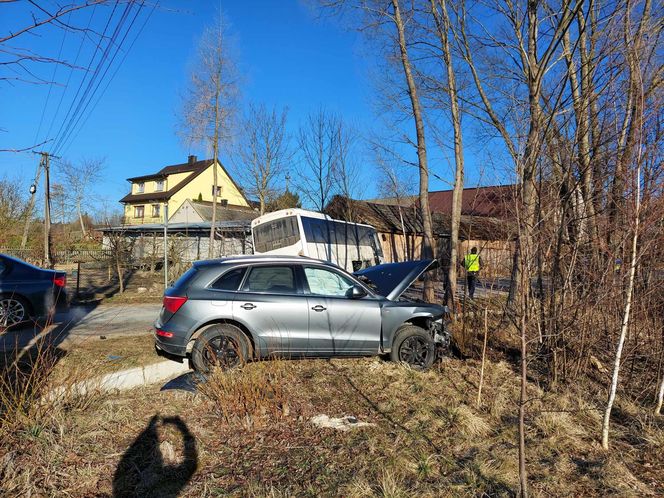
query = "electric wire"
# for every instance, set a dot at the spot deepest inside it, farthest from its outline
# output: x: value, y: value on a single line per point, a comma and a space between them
x: 52, y: 82
x: 77, y: 129
x: 68, y: 129
x: 87, y: 71
x: 71, y: 73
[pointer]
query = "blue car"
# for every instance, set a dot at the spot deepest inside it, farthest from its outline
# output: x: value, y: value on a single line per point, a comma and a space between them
x: 29, y: 292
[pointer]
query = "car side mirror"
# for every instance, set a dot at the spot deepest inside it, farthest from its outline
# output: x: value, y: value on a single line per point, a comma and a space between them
x: 356, y: 292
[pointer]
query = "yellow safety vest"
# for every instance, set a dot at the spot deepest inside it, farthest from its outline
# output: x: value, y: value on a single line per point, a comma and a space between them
x: 472, y: 262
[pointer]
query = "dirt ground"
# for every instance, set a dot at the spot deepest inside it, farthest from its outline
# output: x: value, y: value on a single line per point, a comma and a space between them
x: 97, y: 283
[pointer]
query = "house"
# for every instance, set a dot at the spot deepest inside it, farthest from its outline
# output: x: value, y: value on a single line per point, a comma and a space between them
x: 401, y: 233
x: 494, y: 201
x: 191, y: 211
x: 169, y: 187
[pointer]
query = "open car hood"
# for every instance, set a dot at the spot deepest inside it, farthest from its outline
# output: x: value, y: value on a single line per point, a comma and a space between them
x: 392, y: 279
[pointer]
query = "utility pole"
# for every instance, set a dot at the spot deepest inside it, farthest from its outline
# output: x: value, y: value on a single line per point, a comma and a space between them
x: 166, y: 245
x: 47, y: 211
x: 45, y: 163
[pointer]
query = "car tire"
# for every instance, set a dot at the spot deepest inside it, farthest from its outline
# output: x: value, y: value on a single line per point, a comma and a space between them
x: 413, y: 346
x: 224, y: 346
x: 14, y: 310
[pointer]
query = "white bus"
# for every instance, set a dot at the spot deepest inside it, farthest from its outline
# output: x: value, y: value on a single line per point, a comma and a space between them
x: 298, y: 232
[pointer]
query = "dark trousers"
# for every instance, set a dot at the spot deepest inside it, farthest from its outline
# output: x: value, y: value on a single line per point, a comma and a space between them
x: 471, y: 279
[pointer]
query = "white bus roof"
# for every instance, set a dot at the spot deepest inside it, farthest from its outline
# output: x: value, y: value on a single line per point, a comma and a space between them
x: 282, y: 213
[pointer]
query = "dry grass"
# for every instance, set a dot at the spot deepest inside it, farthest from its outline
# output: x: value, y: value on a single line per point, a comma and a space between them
x: 254, y: 437
x: 250, y: 396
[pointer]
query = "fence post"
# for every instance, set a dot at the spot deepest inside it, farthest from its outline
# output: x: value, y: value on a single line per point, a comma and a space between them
x: 78, y: 278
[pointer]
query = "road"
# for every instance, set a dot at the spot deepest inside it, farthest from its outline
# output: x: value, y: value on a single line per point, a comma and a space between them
x: 87, y: 321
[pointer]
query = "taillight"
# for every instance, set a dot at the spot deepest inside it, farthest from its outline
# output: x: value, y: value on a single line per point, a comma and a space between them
x: 163, y: 333
x: 60, y: 281
x: 173, y: 303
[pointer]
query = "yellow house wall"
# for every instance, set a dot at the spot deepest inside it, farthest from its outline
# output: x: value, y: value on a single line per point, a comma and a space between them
x: 147, y: 217
x: 201, y: 184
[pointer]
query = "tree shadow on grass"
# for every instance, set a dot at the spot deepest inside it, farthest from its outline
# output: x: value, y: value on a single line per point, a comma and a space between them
x: 144, y: 469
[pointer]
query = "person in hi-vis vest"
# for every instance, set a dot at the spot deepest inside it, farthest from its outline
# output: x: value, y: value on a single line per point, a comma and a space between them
x: 472, y: 263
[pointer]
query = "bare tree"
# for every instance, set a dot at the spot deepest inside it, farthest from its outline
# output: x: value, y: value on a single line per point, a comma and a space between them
x: 318, y: 145
x: 24, y: 62
x: 443, y: 29
x: 345, y: 172
x: 210, y: 102
x: 263, y: 152
x: 626, y: 315
x: 79, y: 178
x: 392, y: 186
x: 12, y: 208
x: 428, y: 247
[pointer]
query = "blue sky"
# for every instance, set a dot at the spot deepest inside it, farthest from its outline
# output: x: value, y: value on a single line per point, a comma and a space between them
x: 287, y: 56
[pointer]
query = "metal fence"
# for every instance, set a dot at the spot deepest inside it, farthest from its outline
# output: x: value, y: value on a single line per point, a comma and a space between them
x: 67, y: 256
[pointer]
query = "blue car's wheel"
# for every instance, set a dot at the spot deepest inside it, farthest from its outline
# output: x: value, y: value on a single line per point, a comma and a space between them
x: 13, y: 311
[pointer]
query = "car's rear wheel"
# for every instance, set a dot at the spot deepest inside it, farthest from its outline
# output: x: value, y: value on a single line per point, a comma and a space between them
x: 224, y: 346
x: 414, y: 346
x: 13, y: 310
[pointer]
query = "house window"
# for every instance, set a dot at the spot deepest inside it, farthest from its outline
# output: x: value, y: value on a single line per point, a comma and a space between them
x: 156, y: 210
x: 218, y: 190
x: 159, y: 186
x: 139, y: 211
x: 140, y: 187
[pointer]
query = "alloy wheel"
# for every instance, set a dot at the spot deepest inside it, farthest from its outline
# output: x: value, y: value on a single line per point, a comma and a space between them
x: 415, y: 351
x: 222, y: 351
x: 12, y: 312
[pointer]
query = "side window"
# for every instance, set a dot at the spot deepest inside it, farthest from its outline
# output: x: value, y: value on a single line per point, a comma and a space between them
x: 229, y: 281
x: 277, y: 279
x: 326, y: 282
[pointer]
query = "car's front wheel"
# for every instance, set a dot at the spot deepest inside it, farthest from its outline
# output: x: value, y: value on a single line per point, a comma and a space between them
x: 414, y: 346
x: 13, y: 310
x: 224, y: 346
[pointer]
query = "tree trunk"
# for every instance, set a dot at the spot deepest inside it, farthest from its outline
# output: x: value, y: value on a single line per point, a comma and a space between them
x: 523, y: 396
x: 443, y: 26
x: 215, y: 158
x: 80, y: 219
x: 428, y: 249
x: 660, y: 398
x: 118, y: 268
x: 625, y: 322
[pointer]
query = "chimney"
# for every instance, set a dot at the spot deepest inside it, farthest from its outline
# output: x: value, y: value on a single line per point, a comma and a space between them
x: 192, y: 159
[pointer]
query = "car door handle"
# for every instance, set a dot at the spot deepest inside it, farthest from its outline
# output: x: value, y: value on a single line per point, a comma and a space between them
x: 248, y: 306
x: 318, y: 308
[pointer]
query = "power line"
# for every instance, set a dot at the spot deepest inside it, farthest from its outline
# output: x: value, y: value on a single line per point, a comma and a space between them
x: 80, y: 86
x: 83, y: 101
x: 50, y: 86
x: 71, y: 73
x: 76, y: 131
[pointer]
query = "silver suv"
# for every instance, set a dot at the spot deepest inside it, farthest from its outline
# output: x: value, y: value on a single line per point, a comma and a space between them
x: 227, y: 311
